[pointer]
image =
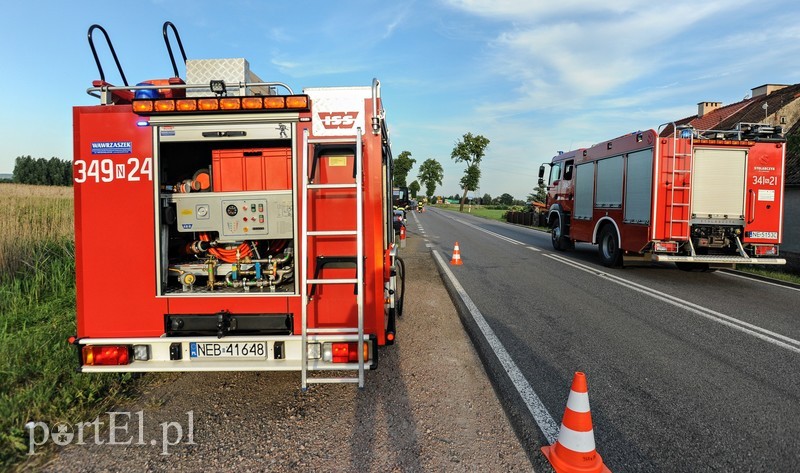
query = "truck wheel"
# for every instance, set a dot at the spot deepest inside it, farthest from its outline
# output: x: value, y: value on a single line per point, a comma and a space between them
x: 400, y: 293
x: 555, y: 235
x: 610, y: 252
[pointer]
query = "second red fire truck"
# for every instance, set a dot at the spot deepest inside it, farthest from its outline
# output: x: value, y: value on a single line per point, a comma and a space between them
x: 700, y: 199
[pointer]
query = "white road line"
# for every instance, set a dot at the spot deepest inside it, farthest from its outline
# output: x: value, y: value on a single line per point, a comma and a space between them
x: 533, y: 248
x: 725, y: 273
x: 742, y: 326
x: 543, y: 418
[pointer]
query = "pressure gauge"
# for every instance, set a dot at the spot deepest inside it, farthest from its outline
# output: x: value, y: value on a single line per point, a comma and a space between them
x: 231, y: 210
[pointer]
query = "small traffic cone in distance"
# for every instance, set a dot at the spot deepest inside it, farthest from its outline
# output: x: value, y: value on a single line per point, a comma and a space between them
x: 456, y: 259
x: 574, y: 450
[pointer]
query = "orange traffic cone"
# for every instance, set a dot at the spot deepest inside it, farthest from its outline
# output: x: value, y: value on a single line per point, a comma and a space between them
x: 456, y: 260
x: 574, y: 450
x: 402, y: 236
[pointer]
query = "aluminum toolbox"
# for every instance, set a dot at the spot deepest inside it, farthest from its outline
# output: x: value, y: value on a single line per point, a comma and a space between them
x: 233, y: 71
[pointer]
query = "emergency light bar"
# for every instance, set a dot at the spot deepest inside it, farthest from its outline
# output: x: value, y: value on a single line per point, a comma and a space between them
x: 224, y: 104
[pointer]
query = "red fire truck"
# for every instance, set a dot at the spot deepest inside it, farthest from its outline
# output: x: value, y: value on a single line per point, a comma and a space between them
x: 701, y: 199
x: 224, y: 223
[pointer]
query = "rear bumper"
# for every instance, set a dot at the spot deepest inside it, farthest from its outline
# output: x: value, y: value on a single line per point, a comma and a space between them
x: 716, y: 259
x: 283, y: 353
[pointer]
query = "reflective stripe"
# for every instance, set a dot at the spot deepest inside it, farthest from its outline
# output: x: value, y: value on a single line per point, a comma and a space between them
x: 582, y: 442
x: 578, y: 402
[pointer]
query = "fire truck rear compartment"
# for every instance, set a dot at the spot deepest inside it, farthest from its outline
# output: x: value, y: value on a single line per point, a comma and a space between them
x: 226, y: 220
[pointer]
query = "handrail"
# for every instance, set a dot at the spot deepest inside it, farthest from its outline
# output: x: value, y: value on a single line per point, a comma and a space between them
x: 169, y: 47
x: 376, y: 94
x: 113, y: 53
x: 239, y: 85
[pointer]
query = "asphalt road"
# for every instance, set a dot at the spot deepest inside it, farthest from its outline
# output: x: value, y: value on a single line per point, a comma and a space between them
x: 686, y: 371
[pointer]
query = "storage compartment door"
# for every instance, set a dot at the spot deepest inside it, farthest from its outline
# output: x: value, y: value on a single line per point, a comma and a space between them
x: 718, y: 184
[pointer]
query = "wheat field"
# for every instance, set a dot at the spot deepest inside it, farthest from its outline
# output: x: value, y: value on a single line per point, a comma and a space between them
x: 30, y: 216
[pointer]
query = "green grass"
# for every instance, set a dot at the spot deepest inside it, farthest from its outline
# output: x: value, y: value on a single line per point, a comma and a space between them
x: 483, y: 212
x: 477, y: 211
x: 38, y: 378
x: 779, y: 273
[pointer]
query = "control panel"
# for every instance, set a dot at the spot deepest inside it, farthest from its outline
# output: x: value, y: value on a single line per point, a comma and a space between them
x: 236, y: 216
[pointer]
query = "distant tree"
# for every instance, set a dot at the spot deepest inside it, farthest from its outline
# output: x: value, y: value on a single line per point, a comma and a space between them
x: 43, y: 172
x: 414, y: 188
x: 402, y: 166
x: 470, y: 150
x: 470, y: 180
x: 430, y: 173
x: 506, y: 199
x: 486, y: 199
x: 539, y: 194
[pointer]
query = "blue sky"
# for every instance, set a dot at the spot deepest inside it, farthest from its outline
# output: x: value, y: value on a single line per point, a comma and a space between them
x: 533, y: 76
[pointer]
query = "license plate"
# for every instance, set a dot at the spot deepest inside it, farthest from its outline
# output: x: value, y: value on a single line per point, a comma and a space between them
x: 228, y: 350
x: 763, y: 235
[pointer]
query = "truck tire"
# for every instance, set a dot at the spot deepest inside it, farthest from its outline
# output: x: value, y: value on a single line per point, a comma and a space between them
x: 555, y: 235
x: 560, y: 242
x: 608, y: 247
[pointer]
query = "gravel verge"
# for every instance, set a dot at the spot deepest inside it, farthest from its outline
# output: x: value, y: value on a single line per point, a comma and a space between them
x: 429, y: 407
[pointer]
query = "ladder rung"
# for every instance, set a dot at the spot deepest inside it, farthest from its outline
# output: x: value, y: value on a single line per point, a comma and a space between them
x: 676, y: 204
x: 333, y: 140
x: 331, y: 380
x: 332, y: 186
x: 317, y: 331
x: 680, y: 188
x: 332, y: 281
x: 682, y: 171
x: 678, y: 221
x: 332, y: 232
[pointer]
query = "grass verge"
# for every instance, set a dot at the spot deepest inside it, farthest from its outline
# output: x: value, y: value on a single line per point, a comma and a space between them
x: 38, y: 380
x: 781, y: 274
x: 478, y: 211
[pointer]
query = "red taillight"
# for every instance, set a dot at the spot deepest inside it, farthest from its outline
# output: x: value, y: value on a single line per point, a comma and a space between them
x: 347, y: 352
x: 766, y: 250
x: 105, y: 355
x: 666, y: 246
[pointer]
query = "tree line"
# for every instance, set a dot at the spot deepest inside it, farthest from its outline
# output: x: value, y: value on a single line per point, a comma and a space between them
x: 42, y: 172
x: 470, y: 149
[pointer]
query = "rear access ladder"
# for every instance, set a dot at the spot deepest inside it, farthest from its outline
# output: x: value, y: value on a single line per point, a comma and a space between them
x: 307, y: 284
x: 680, y: 193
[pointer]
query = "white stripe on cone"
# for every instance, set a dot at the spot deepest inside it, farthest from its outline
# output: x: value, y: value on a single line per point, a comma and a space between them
x: 578, y: 402
x: 582, y: 442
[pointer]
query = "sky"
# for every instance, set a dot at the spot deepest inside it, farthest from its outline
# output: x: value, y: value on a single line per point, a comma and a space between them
x: 534, y: 77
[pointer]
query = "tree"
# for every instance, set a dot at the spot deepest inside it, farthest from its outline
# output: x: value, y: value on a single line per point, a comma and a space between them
x: 539, y: 194
x: 402, y: 166
x: 414, y: 188
x: 506, y: 199
x: 486, y: 199
x: 430, y: 173
x: 470, y: 150
x: 470, y: 180
x: 52, y: 172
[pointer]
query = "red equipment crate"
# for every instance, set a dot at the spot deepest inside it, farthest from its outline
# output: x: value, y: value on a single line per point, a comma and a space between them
x: 252, y: 169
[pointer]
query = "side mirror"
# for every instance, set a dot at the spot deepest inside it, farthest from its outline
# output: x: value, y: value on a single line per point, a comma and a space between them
x: 541, y: 173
